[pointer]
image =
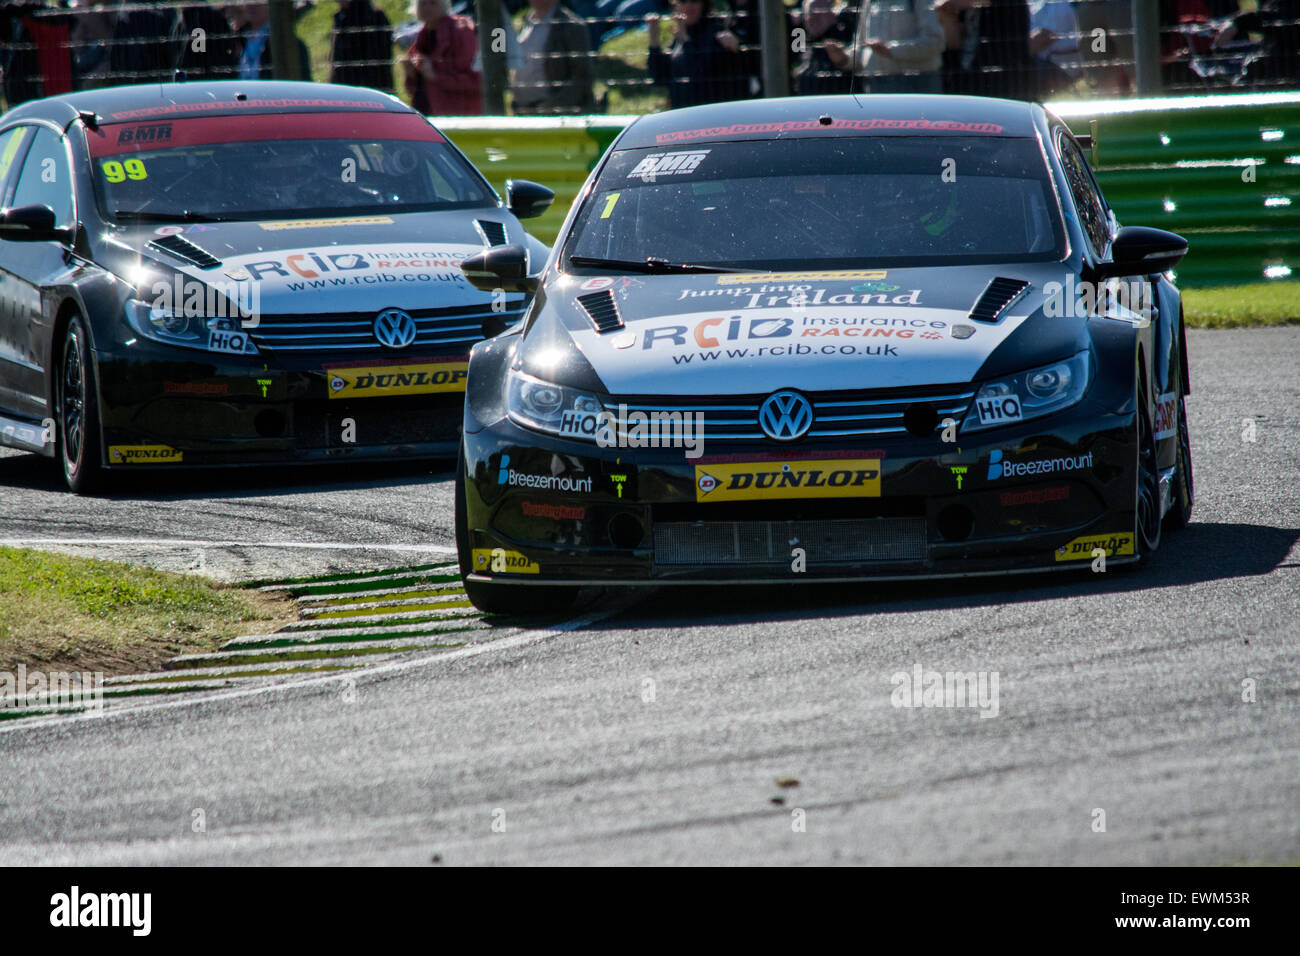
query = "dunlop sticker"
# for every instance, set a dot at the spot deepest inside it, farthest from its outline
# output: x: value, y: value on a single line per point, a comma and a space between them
x: 325, y: 223
x: 501, y: 561
x: 748, y: 277
x: 384, y: 380
x: 1080, y: 549
x: 142, y: 455
x: 748, y: 481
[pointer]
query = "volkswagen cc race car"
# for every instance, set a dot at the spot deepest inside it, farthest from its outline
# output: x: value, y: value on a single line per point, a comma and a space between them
x: 237, y: 273
x: 827, y: 339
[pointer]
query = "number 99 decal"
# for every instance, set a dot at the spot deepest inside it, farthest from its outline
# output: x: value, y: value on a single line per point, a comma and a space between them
x: 116, y: 172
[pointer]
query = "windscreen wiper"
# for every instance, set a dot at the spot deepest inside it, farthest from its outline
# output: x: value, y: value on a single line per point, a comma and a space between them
x: 141, y: 215
x: 650, y: 264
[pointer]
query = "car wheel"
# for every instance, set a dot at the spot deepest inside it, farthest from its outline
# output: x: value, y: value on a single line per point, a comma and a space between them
x: 498, y: 598
x: 1180, y: 515
x: 1148, y: 483
x: 78, y: 410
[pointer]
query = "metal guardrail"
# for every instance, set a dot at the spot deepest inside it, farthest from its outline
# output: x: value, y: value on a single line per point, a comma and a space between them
x: 1224, y: 171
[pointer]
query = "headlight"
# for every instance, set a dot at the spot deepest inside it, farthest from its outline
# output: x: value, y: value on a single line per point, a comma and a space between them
x: 165, y: 325
x: 1039, y: 391
x: 552, y: 408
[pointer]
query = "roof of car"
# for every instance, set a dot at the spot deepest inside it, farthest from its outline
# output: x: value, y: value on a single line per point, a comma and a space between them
x: 849, y: 115
x: 116, y: 104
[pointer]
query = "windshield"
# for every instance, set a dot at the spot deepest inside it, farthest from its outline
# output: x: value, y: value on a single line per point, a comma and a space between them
x: 267, y: 167
x: 842, y: 202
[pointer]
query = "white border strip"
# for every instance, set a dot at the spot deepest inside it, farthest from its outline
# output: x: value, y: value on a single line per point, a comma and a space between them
x: 522, y: 639
x: 189, y: 543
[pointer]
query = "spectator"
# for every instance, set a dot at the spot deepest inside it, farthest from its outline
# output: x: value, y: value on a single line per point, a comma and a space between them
x: 1110, y: 63
x: 439, y: 66
x: 825, y: 65
x: 745, y: 25
x: 898, y: 47
x: 361, y: 46
x: 556, y: 75
x: 1054, y: 42
x: 987, y: 48
x: 93, y: 22
x: 213, y: 53
x: 252, y: 21
x: 36, y: 59
x: 696, y: 68
x: 141, y: 51
x: 1279, y: 23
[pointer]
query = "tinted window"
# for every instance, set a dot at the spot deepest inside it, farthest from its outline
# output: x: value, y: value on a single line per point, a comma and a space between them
x: 270, y: 167
x: 11, y: 143
x: 1092, y: 211
x: 834, y: 202
x: 45, y: 177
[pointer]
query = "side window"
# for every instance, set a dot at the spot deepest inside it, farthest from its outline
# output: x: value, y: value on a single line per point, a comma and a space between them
x: 1092, y: 211
x: 45, y: 177
x: 11, y: 146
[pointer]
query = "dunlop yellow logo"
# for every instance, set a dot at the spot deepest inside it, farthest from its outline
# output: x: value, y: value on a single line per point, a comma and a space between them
x: 142, y: 455
x: 747, y: 481
x: 385, y: 380
x: 1080, y: 549
x: 746, y: 278
x: 323, y: 223
x: 501, y: 561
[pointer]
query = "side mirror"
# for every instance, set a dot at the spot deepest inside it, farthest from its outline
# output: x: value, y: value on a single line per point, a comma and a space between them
x: 34, y: 223
x: 527, y: 200
x: 1141, y: 250
x: 501, y: 267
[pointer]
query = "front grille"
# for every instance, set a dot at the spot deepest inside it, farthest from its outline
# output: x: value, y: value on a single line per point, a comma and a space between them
x: 746, y: 543
x: 354, y: 332
x: 864, y: 413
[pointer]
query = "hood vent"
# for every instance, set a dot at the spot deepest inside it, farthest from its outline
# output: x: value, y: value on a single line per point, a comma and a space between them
x: 182, y: 248
x: 494, y: 233
x: 1001, y: 292
x: 603, y: 310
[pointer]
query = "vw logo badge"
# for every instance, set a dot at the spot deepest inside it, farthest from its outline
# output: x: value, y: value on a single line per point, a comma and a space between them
x: 785, y: 416
x: 394, y: 328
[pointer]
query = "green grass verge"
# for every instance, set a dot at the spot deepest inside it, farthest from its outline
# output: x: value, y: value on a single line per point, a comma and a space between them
x: 64, y: 613
x: 1242, y: 306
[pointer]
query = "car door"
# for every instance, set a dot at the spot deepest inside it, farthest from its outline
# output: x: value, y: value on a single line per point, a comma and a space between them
x: 27, y: 268
x: 13, y: 144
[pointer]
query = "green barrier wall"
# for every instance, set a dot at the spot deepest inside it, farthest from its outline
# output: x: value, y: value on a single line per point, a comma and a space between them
x: 1224, y: 171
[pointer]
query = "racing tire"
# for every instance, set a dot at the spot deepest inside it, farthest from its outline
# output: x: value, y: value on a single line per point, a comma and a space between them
x: 77, y: 404
x: 1180, y: 514
x: 515, y: 600
x: 1146, y: 505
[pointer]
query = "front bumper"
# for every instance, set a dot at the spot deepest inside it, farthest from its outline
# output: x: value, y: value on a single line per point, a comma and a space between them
x: 168, y: 408
x: 1041, y: 495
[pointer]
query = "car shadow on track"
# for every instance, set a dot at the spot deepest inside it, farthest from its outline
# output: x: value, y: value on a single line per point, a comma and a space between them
x: 34, y: 473
x: 1202, y: 553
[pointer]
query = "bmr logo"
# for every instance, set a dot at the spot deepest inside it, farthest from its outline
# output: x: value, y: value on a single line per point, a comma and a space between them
x: 668, y: 164
x: 153, y: 133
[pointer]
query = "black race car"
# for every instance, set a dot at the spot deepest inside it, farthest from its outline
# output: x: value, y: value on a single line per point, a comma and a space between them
x: 826, y: 339
x: 237, y: 273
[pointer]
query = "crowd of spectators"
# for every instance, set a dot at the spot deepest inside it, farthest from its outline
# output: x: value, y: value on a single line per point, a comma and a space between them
x: 697, y: 52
